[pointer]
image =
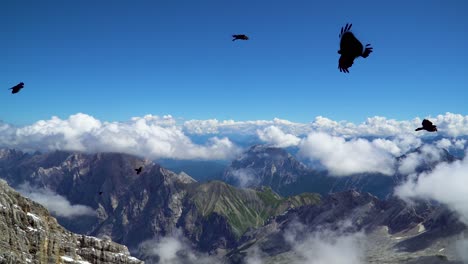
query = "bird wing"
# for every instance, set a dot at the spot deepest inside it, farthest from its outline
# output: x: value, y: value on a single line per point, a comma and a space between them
x: 350, y: 45
x: 345, y: 62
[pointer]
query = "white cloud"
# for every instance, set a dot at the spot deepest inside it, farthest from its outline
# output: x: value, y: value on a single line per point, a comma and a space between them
x: 56, y: 204
x: 447, y: 184
x: 244, y: 177
x: 322, y: 247
x: 150, y: 136
x: 453, y: 143
x: 344, y: 158
x: 173, y: 249
x: 275, y: 136
x: 428, y: 154
x: 449, y: 124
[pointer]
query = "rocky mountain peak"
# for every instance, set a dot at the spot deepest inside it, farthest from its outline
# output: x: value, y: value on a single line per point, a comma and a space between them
x: 31, y: 235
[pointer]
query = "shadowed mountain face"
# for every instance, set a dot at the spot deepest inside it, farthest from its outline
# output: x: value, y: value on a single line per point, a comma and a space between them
x: 31, y: 235
x: 276, y: 168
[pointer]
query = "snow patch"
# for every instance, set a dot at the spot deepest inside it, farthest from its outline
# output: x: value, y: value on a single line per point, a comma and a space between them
x: 32, y: 229
x: 66, y: 258
x: 33, y: 216
x: 421, y: 228
x: 442, y: 249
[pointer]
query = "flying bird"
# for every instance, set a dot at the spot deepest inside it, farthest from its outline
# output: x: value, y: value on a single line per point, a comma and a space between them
x: 138, y: 171
x: 350, y: 49
x: 241, y: 37
x: 427, y: 125
x: 17, y: 88
x: 100, y: 193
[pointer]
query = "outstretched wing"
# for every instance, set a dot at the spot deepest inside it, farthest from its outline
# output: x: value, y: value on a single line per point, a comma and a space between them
x: 426, y: 123
x: 345, y: 62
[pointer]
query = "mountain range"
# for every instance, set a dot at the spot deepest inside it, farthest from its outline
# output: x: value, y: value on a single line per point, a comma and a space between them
x: 223, y: 221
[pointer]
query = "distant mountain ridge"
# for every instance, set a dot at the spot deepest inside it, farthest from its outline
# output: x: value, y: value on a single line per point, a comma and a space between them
x: 263, y: 165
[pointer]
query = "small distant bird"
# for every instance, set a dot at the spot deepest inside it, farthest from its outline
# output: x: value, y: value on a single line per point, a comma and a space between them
x: 138, y: 171
x: 350, y: 49
x: 241, y: 37
x: 100, y: 193
x: 17, y: 88
x: 427, y: 125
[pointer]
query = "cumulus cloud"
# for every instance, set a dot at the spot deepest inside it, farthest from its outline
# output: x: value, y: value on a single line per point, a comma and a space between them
x: 150, y: 136
x: 173, y: 249
x: 451, y: 143
x: 343, y: 158
x: 275, y: 136
x: 447, y: 183
x: 55, y: 203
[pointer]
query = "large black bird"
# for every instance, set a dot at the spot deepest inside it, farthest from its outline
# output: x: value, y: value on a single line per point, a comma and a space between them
x: 138, y: 171
x: 350, y: 49
x: 241, y: 37
x: 17, y: 88
x: 427, y: 125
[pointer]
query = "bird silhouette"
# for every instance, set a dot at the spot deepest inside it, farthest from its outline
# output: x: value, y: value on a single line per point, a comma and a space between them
x: 350, y: 49
x: 427, y: 125
x: 17, y: 88
x: 138, y: 171
x: 100, y: 193
x: 241, y: 37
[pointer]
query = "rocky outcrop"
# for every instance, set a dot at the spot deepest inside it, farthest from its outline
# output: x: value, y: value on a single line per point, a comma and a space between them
x: 30, y: 235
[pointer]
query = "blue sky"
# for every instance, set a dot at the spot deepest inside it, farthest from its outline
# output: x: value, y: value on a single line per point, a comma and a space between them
x: 117, y: 59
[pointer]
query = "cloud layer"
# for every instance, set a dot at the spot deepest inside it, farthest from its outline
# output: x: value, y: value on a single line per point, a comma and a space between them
x: 150, y: 136
x: 56, y: 204
x: 449, y: 124
x: 342, y: 147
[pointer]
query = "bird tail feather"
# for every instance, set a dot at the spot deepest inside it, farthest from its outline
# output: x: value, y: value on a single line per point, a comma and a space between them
x: 367, y: 51
x: 419, y: 128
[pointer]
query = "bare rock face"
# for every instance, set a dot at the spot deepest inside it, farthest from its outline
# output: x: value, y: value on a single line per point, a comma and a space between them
x: 30, y: 235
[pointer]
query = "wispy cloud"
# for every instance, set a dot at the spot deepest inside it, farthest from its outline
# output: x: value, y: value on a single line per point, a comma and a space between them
x: 173, y: 249
x: 55, y: 203
x: 447, y: 183
x: 244, y: 177
x: 323, y: 246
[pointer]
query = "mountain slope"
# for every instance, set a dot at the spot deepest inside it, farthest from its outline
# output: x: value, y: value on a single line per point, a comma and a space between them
x: 31, y: 235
